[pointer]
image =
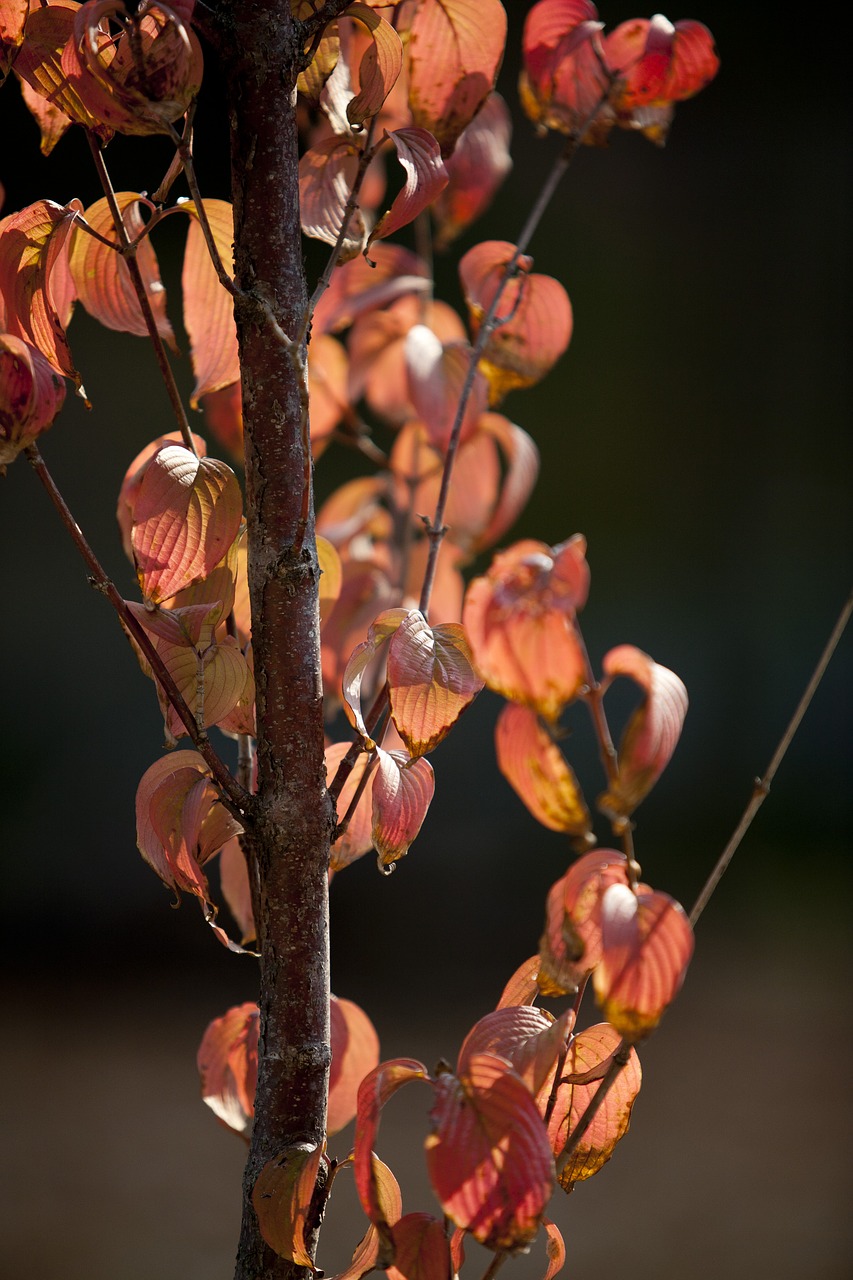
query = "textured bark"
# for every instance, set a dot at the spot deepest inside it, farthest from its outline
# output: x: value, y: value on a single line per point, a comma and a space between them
x: 291, y: 830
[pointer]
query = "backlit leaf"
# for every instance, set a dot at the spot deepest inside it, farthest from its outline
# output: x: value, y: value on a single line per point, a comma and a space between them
x: 402, y: 792
x: 39, y: 63
x: 646, y: 945
x: 133, y: 479
x: 556, y: 1249
x: 529, y: 1039
x: 488, y: 1157
x: 454, y: 54
x: 421, y: 1251
x: 13, y: 15
x: 228, y: 1065
x: 31, y: 395
x: 52, y: 122
x: 35, y: 281
x: 380, y: 630
x: 658, y: 64
x: 431, y: 680
x: 564, y: 82
x: 358, y: 837
x: 355, y: 1052
x: 358, y: 287
x: 652, y: 732
x: 375, y: 1090
x: 208, y: 306
x: 571, y: 944
x: 588, y: 1057
x: 380, y: 66
x: 327, y: 172
x: 234, y: 881
x: 281, y: 1198
x: 437, y: 373
x: 537, y: 771
x: 426, y: 176
x: 522, y: 987
x: 479, y: 164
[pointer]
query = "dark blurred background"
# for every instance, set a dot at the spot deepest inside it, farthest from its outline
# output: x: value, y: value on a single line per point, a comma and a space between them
x: 695, y: 432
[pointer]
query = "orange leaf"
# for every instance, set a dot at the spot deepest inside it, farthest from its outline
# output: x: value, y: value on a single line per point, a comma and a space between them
x: 530, y: 1040
x: 358, y: 837
x: 380, y: 66
x: 478, y: 166
x: 488, y: 1157
x: 234, y: 880
x: 52, y: 122
x: 35, y: 280
x: 437, y: 373
x: 39, y: 63
x: 31, y: 395
x: 381, y: 629
x: 228, y: 1065
x: 101, y: 276
x: 282, y: 1196
x: 13, y: 15
x: 454, y: 54
x: 652, y: 732
x: 208, y: 306
x: 537, y: 771
x: 358, y: 286
x: 431, y: 680
x: 133, y: 479
x: 402, y: 791
x: 327, y: 172
x: 426, y: 176
x: 375, y: 1090
x: 587, y: 1059
x: 555, y: 1247
x: 522, y: 987
x: 571, y: 944
x: 646, y: 945
x: 421, y: 1250
x: 355, y: 1052
x: 186, y: 514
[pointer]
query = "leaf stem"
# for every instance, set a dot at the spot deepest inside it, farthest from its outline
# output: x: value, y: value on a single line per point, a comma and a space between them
x: 128, y: 252
x: 762, y: 785
x: 234, y: 797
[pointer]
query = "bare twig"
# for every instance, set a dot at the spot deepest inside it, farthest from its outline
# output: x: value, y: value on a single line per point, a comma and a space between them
x: 762, y: 785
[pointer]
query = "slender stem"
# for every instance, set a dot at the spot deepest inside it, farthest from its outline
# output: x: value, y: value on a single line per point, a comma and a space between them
x: 620, y: 1059
x: 184, y: 144
x: 371, y: 720
x: 236, y: 798
x: 762, y: 785
x: 323, y: 16
x: 128, y: 251
x: 495, y: 1265
x: 354, y: 802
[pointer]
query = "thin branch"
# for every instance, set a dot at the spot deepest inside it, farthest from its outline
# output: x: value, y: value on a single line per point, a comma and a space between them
x: 341, y: 827
x: 321, y: 17
x: 234, y: 796
x: 762, y: 785
x: 128, y: 251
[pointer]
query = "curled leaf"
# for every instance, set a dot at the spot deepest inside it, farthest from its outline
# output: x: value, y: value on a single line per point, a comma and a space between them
x: 431, y: 680
x: 402, y: 792
x: 282, y: 1196
x: 374, y: 1092
x: 426, y: 176
x: 35, y: 280
x: 228, y: 1065
x: 208, y: 306
x: 355, y: 1052
x: 380, y: 66
x: 380, y: 630
x: 537, y: 771
x: 565, y: 83
x: 571, y: 944
x: 479, y: 164
x: 31, y: 395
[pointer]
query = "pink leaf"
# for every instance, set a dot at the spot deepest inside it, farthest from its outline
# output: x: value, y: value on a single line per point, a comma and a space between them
x: 133, y: 479
x: 478, y: 166
x: 426, y: 176
x: 357, y: 287
x: 571, y: 944
x: 31, y: 395
x: 437, y: 372
x: 646, y: 943
x: 402, y: 791
x: 380, y: 66
x: 421, y: 1251
x: 652, y: 732
x: 529, y: 1039
x: 358, y: 837
x: 556, y: 1249
x: 454, y: 54
x: 564, y: 83
x: 236, y: 890
x: 537, y: 771
x: 431, y: 680
x: 488, y: 1157
x: 355, y: 1052
x: 327, y: 172
x: 522, y: 987
x: 380, y: 630
x: 35, y: 280
x: 375, y: 1090
x: 185, y: 516
x: 208, y: 306
x: 228, y: 1066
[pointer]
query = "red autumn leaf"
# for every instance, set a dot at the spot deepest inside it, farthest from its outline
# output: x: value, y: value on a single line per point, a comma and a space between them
x: 658, y: 64
x: 39, y: 63
x: 520, y: 623
x: 145, y: 81
x: 236, y: 890
x: 367, y: 1252
x: 102, y: 279
x: 564, y: 81
x: 358, y: 837
x: 478, y: 166
x: 355, y: 1052
x: 52, y: 122
x: 380, y: 66
x: 646, y: 945
x: 537, y: 770
x: 652, y: 732
x: 35, y: 281
x: 538, y: 320
x: 529, y: 1039
x: 31, y: 395
x: 358, y: 287
x: 437, y: 373
x: 133, y: 479
x: 588, y: 1057
x: 426, y: 176
x: 13, y: 15
x: 522, y: 987
x: 375, y: 1090
x: 228, y: 1065
x: 488, y: 1157
x: 208, y: 306
x: 402, y: 792
x: 556, y: 1249
x: 421, y: 1251
x: 457, y: 1250
x: 571, y: 944
x: 381, y: 629
x: 186, y: 514
x: 327, y: 172
x: 431, y: 680
x: 454, y: 53
x: 281, y: 1198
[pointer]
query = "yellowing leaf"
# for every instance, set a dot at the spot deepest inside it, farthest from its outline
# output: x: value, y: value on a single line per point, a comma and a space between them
x: 537, y: 771
x: 380, y: 66
x: 431, y: 680
x: 208, y: 306
x: 35, y: 280
x: 402, y: 792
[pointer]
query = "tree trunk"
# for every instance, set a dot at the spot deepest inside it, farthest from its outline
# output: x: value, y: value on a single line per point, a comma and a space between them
x: 292, y: 827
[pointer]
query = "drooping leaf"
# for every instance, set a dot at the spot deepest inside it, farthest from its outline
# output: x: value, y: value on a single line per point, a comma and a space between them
x: 658, y: 64
x: 101, y: 276
x: 437, y: 373
x: 421, y: 1251
x: 454, y: 53
x: 31, y: 395
x: 133, y: 479
x: 355, y: 1053
x: 380, y: 630
x: 228, y: 1065
x: 646, y: 945
x: 13, y: 15
x: 431, y: 680
x: 380, y: 66
x: 402, y: 792
x: 35, y: 280
x: 426, y: 176
x: 215, y: 681
x: 555, y: 1247
x: 564, y: 82
x: 52, y: 122
x: 236, y: 890
x: 358, y: 287
x: 516, y: 1033
x: 357, y: 839
x: 374, y: 1092
x: 571, y: 944
x: 588, y: 1057
x: 186, y: 514
x: 327, y: 172
x: 281, y: 1198
x: 537, y: 771
x: 522, y: 987
x: 479, y: 164
x: 208, y: 306
x: 652, y: 732
x: 373, y: 1249
x: 39, y: 63
x: 488, y: 1157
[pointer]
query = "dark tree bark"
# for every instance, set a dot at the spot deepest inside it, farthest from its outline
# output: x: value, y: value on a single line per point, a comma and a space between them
x: 260, y: 45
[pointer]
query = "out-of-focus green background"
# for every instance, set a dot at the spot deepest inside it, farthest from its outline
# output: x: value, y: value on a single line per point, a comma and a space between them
x: 695, y: 432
